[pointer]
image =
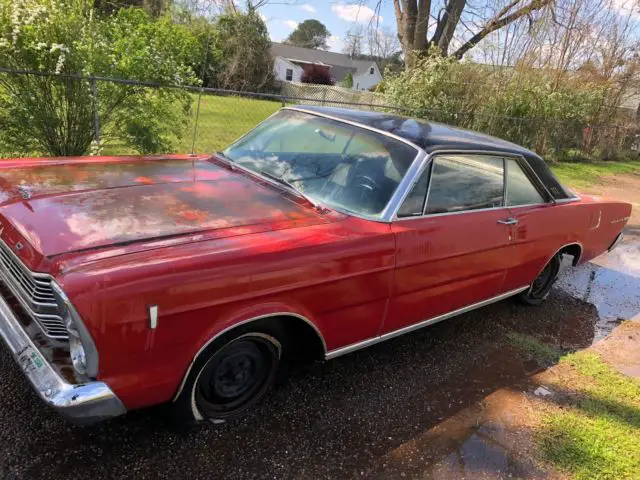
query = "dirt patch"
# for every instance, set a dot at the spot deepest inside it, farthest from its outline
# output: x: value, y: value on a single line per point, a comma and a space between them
x: 622, y: 187
x: 621, y: 349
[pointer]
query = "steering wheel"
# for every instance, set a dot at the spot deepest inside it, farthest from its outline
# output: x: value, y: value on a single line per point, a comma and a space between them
x: 367, y: 184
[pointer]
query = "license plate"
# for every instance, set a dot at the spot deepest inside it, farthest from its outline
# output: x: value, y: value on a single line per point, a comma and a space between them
x: 31, y: 361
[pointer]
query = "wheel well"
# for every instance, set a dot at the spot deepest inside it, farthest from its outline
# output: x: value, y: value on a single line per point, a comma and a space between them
x: 575, y: 250
x: 300, y: 339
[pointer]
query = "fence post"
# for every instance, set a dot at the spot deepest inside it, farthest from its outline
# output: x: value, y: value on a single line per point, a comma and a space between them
x: 96, y: 114
x: 195, y: 125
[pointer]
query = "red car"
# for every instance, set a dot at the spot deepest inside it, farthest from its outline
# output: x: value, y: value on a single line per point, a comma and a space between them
x: 133, y: 281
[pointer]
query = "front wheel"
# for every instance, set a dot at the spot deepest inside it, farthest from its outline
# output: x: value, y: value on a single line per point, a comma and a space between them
x: 232, y: 379
x: 541, y: 286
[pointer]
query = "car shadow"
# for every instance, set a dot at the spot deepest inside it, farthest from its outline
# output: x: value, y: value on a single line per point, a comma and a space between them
x: 330, y: 420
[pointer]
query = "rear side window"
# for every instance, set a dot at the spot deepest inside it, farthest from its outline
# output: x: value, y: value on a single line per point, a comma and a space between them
x: 465, y: 182
x: 520, y: 190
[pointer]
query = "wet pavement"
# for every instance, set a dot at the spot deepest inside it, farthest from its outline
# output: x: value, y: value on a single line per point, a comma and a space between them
x: 436, y: 403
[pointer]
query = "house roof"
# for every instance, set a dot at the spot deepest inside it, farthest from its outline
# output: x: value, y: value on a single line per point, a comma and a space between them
x: 341, y: 64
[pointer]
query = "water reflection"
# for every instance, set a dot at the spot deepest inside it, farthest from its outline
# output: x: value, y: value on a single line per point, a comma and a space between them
x: 611, y: 283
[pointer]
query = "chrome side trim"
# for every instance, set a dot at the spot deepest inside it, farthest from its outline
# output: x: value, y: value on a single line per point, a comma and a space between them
x: 372, y: 341
x: 239, y: 324
x: 577, y: 198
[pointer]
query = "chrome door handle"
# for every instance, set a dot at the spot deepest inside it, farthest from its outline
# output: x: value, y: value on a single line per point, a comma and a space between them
x: 508, y: 221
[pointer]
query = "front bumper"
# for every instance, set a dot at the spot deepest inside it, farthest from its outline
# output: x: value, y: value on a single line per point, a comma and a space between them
x: 82, y: 404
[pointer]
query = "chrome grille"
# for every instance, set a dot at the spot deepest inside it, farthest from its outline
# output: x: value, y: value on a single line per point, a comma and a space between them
x: 33, y: 291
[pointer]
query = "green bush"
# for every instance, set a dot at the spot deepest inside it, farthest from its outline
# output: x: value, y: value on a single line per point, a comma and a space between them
x: 54, y: 115
x: 524, y: 105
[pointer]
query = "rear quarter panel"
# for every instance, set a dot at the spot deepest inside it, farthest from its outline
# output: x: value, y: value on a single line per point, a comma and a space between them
x: 607, y: 218
x: 590, y: 222
x: 336, y: 275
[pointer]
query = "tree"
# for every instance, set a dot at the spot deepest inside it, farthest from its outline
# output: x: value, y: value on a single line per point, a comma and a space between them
x: 245, y: 52
x: 54, y: 115
x: 310, y: 34
x: 413, y: 20
x: 347, y: 82
x: 354, y: 41
x: 154, y: 7
x: 385, y: 48
x: 318, y: 74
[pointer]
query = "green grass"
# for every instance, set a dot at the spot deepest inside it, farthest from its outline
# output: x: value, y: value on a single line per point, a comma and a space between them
x: 224, y: 119
x: 585, y: 175
x: 532, y: 348
x: 598, y: 435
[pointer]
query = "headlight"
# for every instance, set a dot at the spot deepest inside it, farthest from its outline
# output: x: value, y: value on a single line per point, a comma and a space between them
x: 76, y: 349
x: 82, y: 350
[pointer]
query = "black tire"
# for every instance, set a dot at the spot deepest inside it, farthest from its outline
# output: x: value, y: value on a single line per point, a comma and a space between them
x: 230, y: 377
x: 539, y: 290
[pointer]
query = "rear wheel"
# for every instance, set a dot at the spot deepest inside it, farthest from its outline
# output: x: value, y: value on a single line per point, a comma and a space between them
x: 541, y: 286
x: 231, y: 379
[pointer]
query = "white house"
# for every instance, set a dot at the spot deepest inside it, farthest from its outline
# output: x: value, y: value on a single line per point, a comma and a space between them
x: 289, y: 62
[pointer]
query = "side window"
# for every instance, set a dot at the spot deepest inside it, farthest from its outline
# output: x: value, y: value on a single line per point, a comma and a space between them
x: 520, y: 190
x: 465, y: 182
x: 289, y: 74
x: 414, y: 203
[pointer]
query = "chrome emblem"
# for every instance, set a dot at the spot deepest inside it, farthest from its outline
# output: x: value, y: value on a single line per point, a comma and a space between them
x: 19, y: 246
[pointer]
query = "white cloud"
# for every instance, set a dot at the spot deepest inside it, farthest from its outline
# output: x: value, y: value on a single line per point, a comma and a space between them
x: 307, y: 8
x: 335, y: 43
x: 355, y: 13
x: 291, y: 24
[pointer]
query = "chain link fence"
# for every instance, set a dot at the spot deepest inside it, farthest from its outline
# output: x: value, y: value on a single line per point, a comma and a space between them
x: 47, y: 114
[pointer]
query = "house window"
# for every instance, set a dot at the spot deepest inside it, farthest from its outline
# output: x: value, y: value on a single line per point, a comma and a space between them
x: 371, y: 70
x: 289, y: 74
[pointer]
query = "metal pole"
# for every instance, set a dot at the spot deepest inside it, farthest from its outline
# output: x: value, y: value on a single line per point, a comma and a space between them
x: 202, y: 78
x: 195, y: 126
x: 96, y: 114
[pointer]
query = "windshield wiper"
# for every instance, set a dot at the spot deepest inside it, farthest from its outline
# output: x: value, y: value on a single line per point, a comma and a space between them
x: 287, y: 183
x: 227, y: 160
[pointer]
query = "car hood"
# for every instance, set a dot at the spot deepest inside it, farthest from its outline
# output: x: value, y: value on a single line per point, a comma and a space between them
x: 67, y: 207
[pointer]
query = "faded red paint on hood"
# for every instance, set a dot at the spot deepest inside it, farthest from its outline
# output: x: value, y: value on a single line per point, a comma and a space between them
x: 65, y: 207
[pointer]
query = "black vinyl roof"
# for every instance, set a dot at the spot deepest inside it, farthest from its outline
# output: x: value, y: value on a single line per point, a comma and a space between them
x: 433, y: 136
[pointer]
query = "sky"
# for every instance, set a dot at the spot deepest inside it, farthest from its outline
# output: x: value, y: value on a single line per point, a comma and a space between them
x: 338, y: 16
x: 283, y: 16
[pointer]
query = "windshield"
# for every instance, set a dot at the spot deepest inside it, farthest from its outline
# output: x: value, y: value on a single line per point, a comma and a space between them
x: 331, y: 162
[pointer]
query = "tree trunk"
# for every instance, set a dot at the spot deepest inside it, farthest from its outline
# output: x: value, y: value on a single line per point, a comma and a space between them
x: 412, y: 20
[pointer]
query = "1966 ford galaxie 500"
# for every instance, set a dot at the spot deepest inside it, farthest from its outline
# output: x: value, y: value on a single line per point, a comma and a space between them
x: 133, y: 281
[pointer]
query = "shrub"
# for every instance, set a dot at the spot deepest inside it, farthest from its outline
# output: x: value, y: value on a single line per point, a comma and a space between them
x: 317, y: 74
x: 348, y: 80
x: 524, y: 105
x: 54, y: 115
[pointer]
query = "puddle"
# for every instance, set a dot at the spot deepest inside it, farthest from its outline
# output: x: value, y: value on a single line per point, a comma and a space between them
x: 484, y: 441
x: 610, y: 282
x: 491, y: 437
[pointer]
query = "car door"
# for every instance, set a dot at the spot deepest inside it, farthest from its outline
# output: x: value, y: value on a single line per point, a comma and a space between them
x: 452, y: 239
x: 538, y: 226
